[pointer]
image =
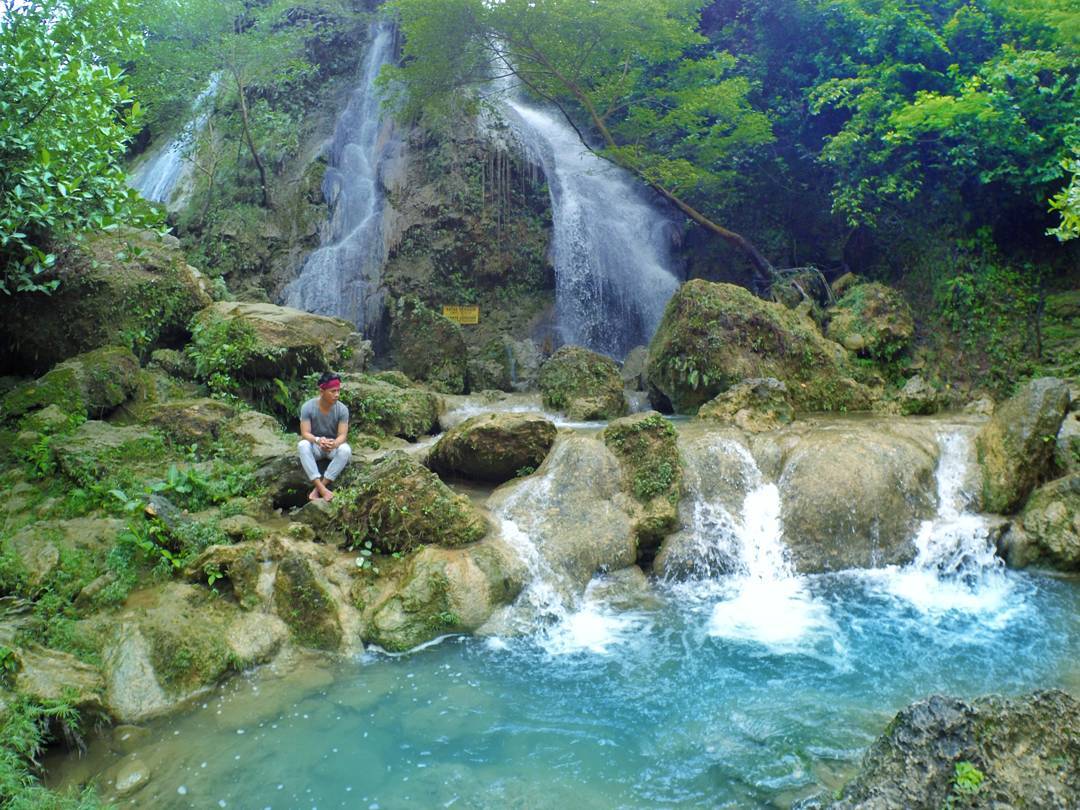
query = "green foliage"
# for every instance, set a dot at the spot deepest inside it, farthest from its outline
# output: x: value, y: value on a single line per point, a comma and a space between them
x: 967, y: 782
x: 1067, y: 202
x: 9, y: 664
x: 648, y: 450
x: 65, y: 120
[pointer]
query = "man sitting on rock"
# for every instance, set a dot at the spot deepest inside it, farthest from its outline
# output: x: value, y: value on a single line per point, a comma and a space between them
x: 324, y: 426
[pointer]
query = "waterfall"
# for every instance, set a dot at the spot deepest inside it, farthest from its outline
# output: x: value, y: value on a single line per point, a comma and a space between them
x: 341, y: 278
x: 158, y: 175
x: 611, y: 245
x: 955, y: 566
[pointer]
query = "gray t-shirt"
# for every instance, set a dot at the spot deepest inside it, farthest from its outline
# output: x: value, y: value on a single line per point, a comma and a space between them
x: 324, y: 425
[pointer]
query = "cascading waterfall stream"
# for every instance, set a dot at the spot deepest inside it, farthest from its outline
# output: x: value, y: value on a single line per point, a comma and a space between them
x: 342, y: 277
x: 611, y: 245
x: 158, y: 176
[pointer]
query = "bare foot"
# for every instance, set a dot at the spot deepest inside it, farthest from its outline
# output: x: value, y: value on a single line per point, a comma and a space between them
x: 328, y: 495
x: 314, y: 495
x: 324, y: 493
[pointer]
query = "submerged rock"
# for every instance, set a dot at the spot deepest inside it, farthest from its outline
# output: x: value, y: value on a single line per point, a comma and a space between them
x: 494, y: 446
x: 1016, y: 446
x: 714, y: 335
x: 583, y: 384
x: 428, y: 347
x: 853, y: 497
x: 755, y: 405
x: 872, y: 320
x: 397, y: 505
x: 91, y: 384
x: 1048, y: 530
x: 993, y: 751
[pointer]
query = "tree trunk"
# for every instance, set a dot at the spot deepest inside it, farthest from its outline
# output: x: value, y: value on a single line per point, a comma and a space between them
x: 251, y: 142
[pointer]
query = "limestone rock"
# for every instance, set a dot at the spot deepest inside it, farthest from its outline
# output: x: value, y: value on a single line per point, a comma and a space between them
x: 715, y: 335
x: 96, y: 448
x: 258, y: 437
x: 133, y: 693
x: 1067, y: 446
x: 278, y: 341
x: 191, y: 421
x: 303, y: 601
x: 127, y: 739
x: 918, y: 397
x: 114, y: 285
x: 634, y: 371
x: 755, y: 405
x: 1025, y: 750
x: 1016, y: 446
x: 494, y: 446
x: 491, y: 366
x: 397, y: 504
x: 255, y: 638
x: 574, y: 510
x: 174, y: 363
x: 92, y: 384
x: 35, y: 553
x: 1049, y: 530
x: 445, y: 591
x: 853, y: 498
x: 427, y: 346
x: 583, y: 384
x: 395, y: 409
x: 128, y: 776
x: 46, y: 674
x: 878, y: 315
x: 645, y: 444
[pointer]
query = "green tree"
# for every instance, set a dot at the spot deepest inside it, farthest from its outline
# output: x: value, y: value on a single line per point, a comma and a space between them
x: 635, y: 74
x: 1067, y: 201
x: 65, y: 119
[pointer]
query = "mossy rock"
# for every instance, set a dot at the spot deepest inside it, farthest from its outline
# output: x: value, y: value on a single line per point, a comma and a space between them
x: 445, y: 591
x: 304, y: 603
x: 197, y: 420
x: 494, y: 446
x: 1016, y: 447
x: 1050, y: 535
x: 491, y: 366
x: 254, y: 341
x: 714, y: 335
x: 647, y: 449
x: 96, y: 449
x: 185, y: 632
x: 753, y: 405
x: 91, y: 384
x: 397, y: 504
x: 428, y: 347
x: 583, y: 384
x: 383, y: 407
x: 123, y: 287
x: 872, y: 320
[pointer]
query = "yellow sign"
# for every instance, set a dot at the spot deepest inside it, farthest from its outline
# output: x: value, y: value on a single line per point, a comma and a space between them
x: 464, y: 315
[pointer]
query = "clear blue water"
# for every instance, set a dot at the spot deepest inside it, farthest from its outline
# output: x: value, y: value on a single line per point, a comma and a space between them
x: 672, y: 703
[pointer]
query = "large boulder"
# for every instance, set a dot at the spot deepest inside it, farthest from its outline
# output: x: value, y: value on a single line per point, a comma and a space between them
x: 123, y: 287
x: 256, y: 437
x: 754, y: 405
x: 989, y: 752
x: 196, y: 420
x: 873, y: 321
x: 264, y: 341
x: 853, y: 497
x: 494, y: 446
x: 573, y: 511
x: 303, y: 600
x: 1067, y: 447
x: 1048, y: 533
x: 714, y: 335
x: 1016, y: 447
x: 444, y: 591
x: 96, y: 449
x: 397, y: 504
x: 393, y: 408
x: 46, y: 674
x: 583, y: 384
x: 428, y: 347
x: 91, y: 384
x: 646, y: 446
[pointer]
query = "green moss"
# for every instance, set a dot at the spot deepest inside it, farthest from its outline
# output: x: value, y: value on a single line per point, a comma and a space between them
x: 426, y: 346
x: 385, y: 408
x: 878, y: 315
x: 647, y: 448
x: 398, y: 504
x: 187, y: 655
x: 575, y: 379
x: 304, y: 605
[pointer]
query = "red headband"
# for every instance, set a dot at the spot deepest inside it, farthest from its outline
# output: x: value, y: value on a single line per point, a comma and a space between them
x: 330, y: 385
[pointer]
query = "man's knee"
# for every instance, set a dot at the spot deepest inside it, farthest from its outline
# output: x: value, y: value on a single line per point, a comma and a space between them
x: 344, y: 451
x: 303, y: 445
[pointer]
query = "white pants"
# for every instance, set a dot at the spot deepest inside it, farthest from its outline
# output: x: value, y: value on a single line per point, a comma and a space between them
x: 310, y: 453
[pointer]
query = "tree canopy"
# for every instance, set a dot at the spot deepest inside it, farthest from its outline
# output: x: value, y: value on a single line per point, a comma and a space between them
x: 66, y: 116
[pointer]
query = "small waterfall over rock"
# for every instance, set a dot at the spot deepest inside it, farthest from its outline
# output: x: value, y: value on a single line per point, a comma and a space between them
x: 341, y: 278
x: 611, y: 245
x: 159, y: 174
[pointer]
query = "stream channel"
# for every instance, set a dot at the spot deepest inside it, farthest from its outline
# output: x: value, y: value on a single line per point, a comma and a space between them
x: 758, y: 687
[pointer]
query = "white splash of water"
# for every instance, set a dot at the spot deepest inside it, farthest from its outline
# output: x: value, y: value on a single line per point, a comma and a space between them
x: 955, y: 567
x: 158, y: 175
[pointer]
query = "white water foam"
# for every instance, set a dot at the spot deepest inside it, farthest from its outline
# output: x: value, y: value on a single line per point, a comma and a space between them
x: 956, y: 567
